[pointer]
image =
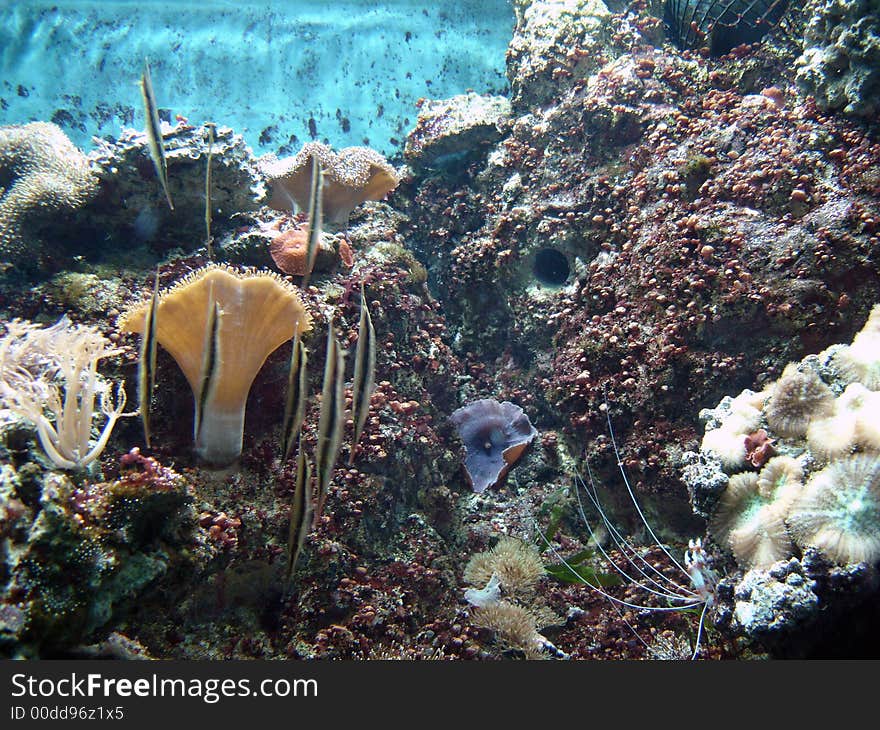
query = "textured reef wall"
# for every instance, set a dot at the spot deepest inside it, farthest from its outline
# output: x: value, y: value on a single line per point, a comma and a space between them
x: 634, y: 233
x: 840, y: 64
x: 280, y: 73
x: 662, y: 230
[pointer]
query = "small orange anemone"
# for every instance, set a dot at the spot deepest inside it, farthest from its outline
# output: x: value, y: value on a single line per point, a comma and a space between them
x: 289, y: 251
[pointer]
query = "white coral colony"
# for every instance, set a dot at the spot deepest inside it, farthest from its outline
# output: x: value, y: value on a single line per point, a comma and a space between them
x: 50, y: 377
x: 824, y: 492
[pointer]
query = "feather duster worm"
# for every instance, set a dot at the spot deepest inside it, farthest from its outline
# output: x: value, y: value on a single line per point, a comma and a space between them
x: 495, y: 435
x: 220, y: 324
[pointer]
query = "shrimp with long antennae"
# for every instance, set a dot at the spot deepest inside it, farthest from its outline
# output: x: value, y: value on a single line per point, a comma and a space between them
x: 692, y: 586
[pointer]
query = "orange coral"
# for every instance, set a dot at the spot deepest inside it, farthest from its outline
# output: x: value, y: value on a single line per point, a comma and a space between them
x: 346, y: 255
x: 289, y: 251
x: 220, y: 324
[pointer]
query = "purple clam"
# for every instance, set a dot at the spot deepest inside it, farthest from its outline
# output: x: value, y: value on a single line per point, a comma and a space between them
x: 495, y: 435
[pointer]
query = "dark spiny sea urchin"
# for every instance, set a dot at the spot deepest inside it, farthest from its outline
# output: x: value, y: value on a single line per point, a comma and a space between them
x: 720, y: 24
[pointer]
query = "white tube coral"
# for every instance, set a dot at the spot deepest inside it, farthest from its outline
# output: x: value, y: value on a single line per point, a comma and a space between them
x: 50, y: 377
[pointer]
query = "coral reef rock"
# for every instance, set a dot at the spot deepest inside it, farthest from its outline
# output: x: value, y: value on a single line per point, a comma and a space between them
x: 132, y: 202
x: 840, y: 64
x: 768, y: 603
x: 44, y: 179
x: 74, y: 556
x: 451, y: 130
x: 554, y: 42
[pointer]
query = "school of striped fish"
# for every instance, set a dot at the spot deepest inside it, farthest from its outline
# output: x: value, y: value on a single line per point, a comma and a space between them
x: 309, y: 495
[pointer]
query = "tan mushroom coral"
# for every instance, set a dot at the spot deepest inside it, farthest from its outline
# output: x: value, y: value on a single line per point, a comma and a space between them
x: 351, y: 177
x: 220, y: 324
x: 751, y: 525
x: 799, y: 398
x: 44, y: 179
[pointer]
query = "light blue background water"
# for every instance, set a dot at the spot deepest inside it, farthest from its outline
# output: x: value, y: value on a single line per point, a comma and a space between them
x: 254, y: 66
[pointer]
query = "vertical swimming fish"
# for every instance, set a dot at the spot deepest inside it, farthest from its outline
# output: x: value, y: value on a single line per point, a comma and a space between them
x: 209, y: 239
x: 331, y: 420
x: 295, y: 407
x: 316, y: 218
x: 147, y: 361
x: 154, y: 132
x: 209, y: 360
x: 364, y: 373
x: 300, y: 509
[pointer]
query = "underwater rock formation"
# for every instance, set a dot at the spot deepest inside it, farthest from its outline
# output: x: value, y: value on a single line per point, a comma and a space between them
x: 77, y: 556
x: 663, y: 231
x: 554, y: 43
x: 449, y: 132
x: 44, y: 180
x: 646, y: 231
x: 840, y: 63
x: 816, y: 504
x: 673, y: 239
x: 771, y: 605
x: 132, y: 205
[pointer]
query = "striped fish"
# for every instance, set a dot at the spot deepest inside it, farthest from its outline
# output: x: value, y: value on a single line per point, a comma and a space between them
x: 300, y: 509
x: 147, y: 361
x: 209, y: 239
x: 332, y: 418
x: 364, y: 374
x: 297, y: 393
x: 316, y: 218
x: 154, y: 132
x: 210, y: 360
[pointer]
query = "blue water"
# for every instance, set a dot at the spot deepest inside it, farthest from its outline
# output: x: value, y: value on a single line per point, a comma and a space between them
x: 280, y: 72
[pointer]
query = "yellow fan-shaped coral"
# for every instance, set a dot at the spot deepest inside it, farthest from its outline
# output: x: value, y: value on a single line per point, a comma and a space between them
x: 220, y: 324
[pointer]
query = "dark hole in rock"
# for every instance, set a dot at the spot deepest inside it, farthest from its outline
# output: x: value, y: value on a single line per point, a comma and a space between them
x: 550, y: 267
